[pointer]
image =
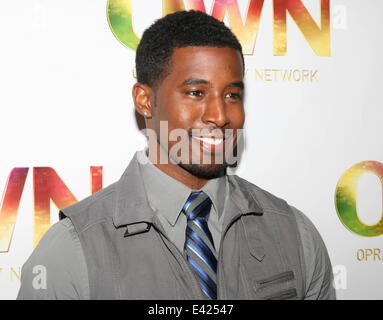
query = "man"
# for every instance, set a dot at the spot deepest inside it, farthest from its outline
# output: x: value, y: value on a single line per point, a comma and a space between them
x: 176, y: 226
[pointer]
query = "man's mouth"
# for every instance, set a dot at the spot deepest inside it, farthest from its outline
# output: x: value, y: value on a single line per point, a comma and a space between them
x: 210, y: 143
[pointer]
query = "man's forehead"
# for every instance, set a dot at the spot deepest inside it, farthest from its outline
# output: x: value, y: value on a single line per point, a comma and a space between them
x: 203, y: 59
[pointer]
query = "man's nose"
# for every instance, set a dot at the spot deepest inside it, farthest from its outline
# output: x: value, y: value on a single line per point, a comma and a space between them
x: 215, y: 112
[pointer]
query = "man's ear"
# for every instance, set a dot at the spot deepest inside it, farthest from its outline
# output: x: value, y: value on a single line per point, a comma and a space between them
x: 142, y: 97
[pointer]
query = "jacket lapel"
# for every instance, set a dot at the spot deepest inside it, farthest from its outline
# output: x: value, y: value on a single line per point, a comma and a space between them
x: 243, y: 203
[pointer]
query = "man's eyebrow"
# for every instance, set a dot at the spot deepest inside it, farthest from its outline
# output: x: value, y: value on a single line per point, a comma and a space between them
x: 238, y: 84
x: 194, y: 81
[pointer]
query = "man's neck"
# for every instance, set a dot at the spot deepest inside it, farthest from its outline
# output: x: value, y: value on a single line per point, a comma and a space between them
x: 177, y: 172
x: 181, y: 175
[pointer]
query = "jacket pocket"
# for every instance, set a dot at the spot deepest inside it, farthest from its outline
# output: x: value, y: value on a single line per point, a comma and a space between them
x: 280, y: 286
x: 285, y: 276
x: 283, y: 295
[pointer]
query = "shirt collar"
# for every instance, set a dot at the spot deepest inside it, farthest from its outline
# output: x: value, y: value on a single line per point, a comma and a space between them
x: 167, y: 195
x: 216, y: 190
x: 131, y: 206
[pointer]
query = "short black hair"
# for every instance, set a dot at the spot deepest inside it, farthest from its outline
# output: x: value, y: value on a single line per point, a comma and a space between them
x: 178, y: 30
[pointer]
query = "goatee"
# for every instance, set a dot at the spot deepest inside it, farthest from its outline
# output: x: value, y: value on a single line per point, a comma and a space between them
x: 205, y: 171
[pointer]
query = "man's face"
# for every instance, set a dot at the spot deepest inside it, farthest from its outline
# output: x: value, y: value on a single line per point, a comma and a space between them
x: 203, y: 95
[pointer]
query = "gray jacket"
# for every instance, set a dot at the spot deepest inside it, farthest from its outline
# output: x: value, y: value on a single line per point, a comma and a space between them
x: 261, y: 256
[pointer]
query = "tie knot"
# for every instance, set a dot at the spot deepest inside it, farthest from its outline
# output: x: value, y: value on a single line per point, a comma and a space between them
x: 197, y: 206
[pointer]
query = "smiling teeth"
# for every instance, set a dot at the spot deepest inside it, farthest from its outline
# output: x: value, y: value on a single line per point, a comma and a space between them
x: 214, y: 141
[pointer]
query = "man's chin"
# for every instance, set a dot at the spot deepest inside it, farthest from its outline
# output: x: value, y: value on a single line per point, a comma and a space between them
x: 206, y: 171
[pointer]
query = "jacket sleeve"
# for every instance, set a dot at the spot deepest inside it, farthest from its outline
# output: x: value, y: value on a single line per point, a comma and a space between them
x: 56, y: 268
x: 318, y: 269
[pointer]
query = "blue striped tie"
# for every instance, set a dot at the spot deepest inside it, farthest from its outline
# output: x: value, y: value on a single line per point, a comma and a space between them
x: 199, y: 246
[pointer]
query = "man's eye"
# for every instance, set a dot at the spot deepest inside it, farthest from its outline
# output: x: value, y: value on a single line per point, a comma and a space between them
x: 234, y: 96
x: 195, y: 93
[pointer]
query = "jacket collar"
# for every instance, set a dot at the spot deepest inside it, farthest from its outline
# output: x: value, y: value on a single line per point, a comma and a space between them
x: 242, y: 197
x: 132, y: 205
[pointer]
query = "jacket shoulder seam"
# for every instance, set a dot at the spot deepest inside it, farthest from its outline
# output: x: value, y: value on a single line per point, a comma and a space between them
x: 277, y: 211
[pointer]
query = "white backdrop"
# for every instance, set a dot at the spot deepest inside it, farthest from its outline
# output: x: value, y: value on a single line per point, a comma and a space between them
x: 65, y: 103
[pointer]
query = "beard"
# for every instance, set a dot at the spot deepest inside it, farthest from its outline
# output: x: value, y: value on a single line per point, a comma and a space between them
x: 210, y: 171
x: 206, y: 171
